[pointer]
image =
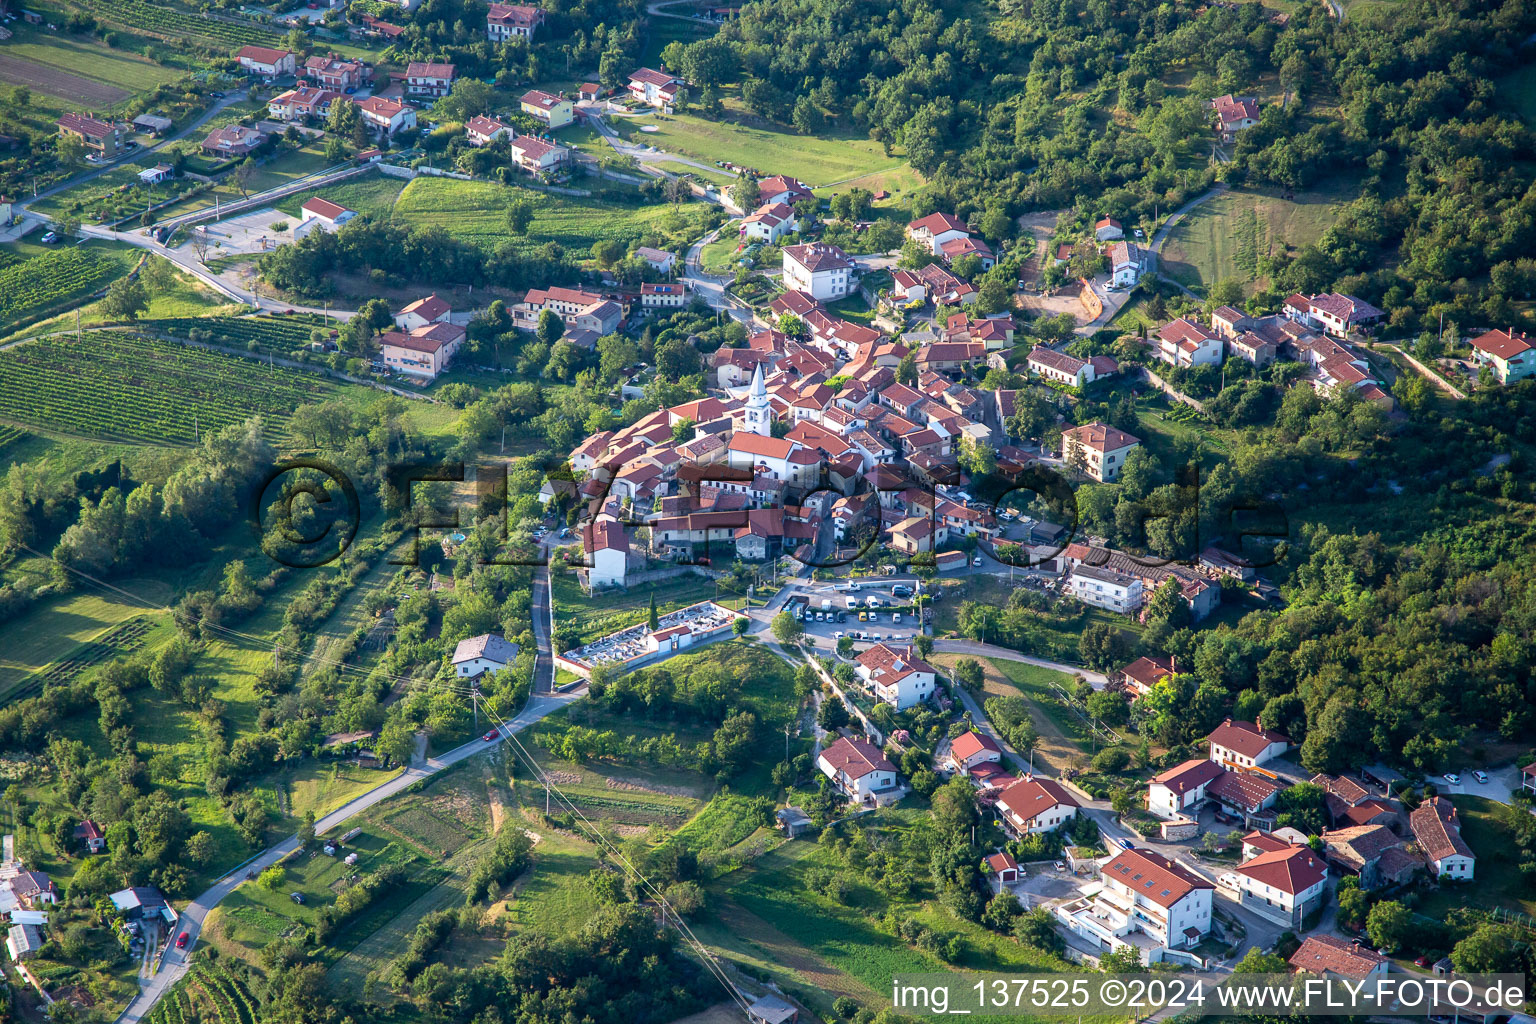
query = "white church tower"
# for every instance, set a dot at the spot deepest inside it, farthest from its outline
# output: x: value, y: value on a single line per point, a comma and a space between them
x: 757, y: 418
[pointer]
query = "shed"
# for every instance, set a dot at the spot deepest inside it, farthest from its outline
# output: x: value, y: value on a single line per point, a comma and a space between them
x: 153, y: 123
x: 770, y: 1009
x: 793, y: 821
x: 1381, y: 775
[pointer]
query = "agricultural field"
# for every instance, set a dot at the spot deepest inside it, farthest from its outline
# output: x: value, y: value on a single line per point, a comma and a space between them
x: 172, y: 24
x: 476, y: 211
x: 73, y: 630
x: 129, y: 387
x: 1225, y: 237
x: 54, y: 278
x: 186, y: 297
x: 372, y: 195
x: 820, y: 162
x: 80, y: 70
x: 280, y: 335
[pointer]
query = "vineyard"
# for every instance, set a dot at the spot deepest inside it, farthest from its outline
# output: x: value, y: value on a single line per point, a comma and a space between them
x: 212, y: 983
x: 169, y: 23
x: 124, y: 638
x: 128, y: 387
x: 10, y: 435
x: 54, y: 277
x: 279, y: 334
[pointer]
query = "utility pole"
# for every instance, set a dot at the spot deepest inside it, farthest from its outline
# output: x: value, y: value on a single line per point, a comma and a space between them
x: 475, y: 700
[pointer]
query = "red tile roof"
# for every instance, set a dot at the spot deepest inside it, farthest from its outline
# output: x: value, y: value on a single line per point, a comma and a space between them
x: 969, y: 744
x: 1028, y: 798
x: 1437, y: 830
x: 1153, y: 877
x: 856, y: 757
x: 1101, y: 437
x: 1292, y: 870
x: 1325, y: 954
x: 1245, y: 738
x: 1190, y: 775
x: 1505, y: 344
x: 938, y: 223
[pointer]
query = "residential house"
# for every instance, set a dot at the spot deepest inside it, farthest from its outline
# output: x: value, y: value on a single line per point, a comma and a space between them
x: 1060, y: 367
x: 102, y: 139
x: 653, y: 87
x: 1141, y: 675
x: 1438, y: 833
x: 1127, y: 262
x: 918, y: 535
x: 33, y: 889
x: 478, y: 655
x: 553, y: 109
x: 1246, y: 794
x: 423, y: 352
x: 428, y: 78
x: 822, y: 271
x: 1233, y: 114
x: 659, y: 260
x: 1330, y: 955
x: 1508, y: 353
x: 769, y: 223
x: 149, y: 176
x: 932, y: 231
x: 958, y: 248
x: 429, y: 310
x: 1333, y: 313
x: 1238, y: 744
x: 1035, y: 805
x: 1181, y: 788
x: 898, y: 677
x: 89, y: 833
x: 949, y: 356
x: 481, y: 130
x: 972, y: 748
x: 508, y: 21
x: 387, y: 116
x: 1282, y: 885
x: 1183, y: 342
x: 1106, y: 588
x: 265, y: 61
x: 666, y: 295
x: 860, y: 770
x: 1374, y: 852
x: 1097, y: 448
x: 576, y: 307
x: 537, y: 156
x: 1108, y: 229
x: 1143, y: 892
x: 302, y: 102
x: 931, y: 283
x: 324, y: 213
x: 234, y: 140
x: 779, y: 188
x: 333, y: 72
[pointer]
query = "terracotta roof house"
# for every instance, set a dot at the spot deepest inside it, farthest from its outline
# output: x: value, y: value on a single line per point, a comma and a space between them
x: 859, y: 769
x: 1509, y: 354
x: 1438, y: 832
x: 1245, y: 744
x: 1182, y: 787
x: 1142, y: 674
x: 973, y: 748
x: 487, y: 652
x: 1099, y: 448
x: 1283, y: 885
x: 1327, y: 954
x: 1035, y: 805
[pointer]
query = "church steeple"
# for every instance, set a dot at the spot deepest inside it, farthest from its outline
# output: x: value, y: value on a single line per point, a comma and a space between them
x: 758, y: 417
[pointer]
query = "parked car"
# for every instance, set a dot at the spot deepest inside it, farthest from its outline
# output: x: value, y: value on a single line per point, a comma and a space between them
x: 1060, y: 866
x: 182, y: 940
x: 1423, y: 961
x: 838, y: 635
x: 1480, y: 776
x: 493, y: 734
x: 297, y: 897
x: 1452, y: 778
x: 976, y: 561
x: 50, y: 238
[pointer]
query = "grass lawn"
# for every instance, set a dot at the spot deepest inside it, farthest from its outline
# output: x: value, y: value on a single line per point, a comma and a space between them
x: 88, y: 58
x: 1499, y: 884
x: 372, y: 194
x: 1210, y: 244
x: 58, y: 628
x: 476, y: 212
x: 818, y: 161
x: 597, y: 615
x: 719, y: 256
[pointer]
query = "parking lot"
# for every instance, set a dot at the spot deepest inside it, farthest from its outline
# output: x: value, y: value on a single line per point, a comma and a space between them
x: 879, y: 622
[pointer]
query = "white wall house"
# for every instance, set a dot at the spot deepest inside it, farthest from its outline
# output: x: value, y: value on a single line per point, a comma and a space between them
x: 899, y: 678
x: 824, y: 272
x: 1181, y: 788
x: 1099, y: 448
x: 1035, y: 805
x: 1438, y: 833
x: 1283, y: 885
x: 1105, y: 588
x: 484, y: 653
x: 1246, y: 744
x: 1147, y: 893
x: 858, y: 768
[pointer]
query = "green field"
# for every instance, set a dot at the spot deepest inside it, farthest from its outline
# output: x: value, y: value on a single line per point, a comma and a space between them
x: 476, y: 211
x: 86, y: 58
x: 372, y: 195
x: 1217, y: 240
x: 187, y: 298
x: 49, y: 279
x: 819, y: 162
x: 57, y: 629
x: 1500, y: 885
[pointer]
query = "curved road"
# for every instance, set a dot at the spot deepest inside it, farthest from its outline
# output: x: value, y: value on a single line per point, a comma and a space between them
x: 176, y: 962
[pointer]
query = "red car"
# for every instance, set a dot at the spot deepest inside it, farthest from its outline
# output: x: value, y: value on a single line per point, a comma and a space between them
x: 1423, y: 961
x: 182, y: 940
x: 490, y: 735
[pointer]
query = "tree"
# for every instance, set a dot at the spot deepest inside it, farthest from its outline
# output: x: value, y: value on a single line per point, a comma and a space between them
x: 969, y: 673
x: 242, y: 175
x: 1125, y: 960
x: 652, y: 619
x: 126, y: 299
x: 519, y: 216
x: 1302, y: 807
x: 272, y: 878
x: 1388, y: 925
x: 787, y: 629
x: 1109, y: 707
x: 740, y: 626
x: 845, y: 646
x: 746, y: 194
x: 833, y: 714
x: 1492, y: 949
x: 70, y: 150
x: 607, y: 252
x: 550, y: 328
x: 923, y: 644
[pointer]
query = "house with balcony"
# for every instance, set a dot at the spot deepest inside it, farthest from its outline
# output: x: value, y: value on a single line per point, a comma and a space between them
x: 1145, y: 900
x: 1236, y: 744
x: 859, y: 770
x: 1035, y: 805
x: 1282, y: 885
x: 428, y: 78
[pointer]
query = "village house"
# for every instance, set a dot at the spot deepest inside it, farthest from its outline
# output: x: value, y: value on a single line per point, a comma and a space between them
x: 665, y: 295
x: 302, y: 102
x: 478, y: 655
x: 1141, y: 675
x: 265, y: 61
x: 1098, y: 449
x: 1233, y: 114
x: 324, y: 214
x: 1147, y: 893
x: 387, y: 116
x: 507, y: 21
x: 1509, y: 354
x: 1330, y: 955
x: 1107, y: 229
x: 551, y: 108
x: 899, y: 678
x: 858, y: 768
x: 1127, y: 262
x: 33, y: 889
x: 1437, y: 830
x: 1334, y: 314
x: 932, y: 231
x: 233, y: 141
x: 1373, y: 852
x: 1060, y: 367
x: 90, y: 834
x: 101, y: 139
x: 1237, y: 744
x: 1282, y: 885
x: 1201, y: 591
x: 575, y: 307
x: 779, y: 188
x: 1106, y: 588
x: 931, y: 284
x: 972, y: 748
x: 822, y: 271
x: 1181, y: 789
x: 1035, y: 805
x: 482, y: 130
x: 660, y: 261
x: 769, y: 223
x: 958, y: 248
x: 948, y: 356
x: 1183, y: 342
x: 424, y: 311
x: 656, y: 88
x: 428, y: 78
x: 335, y: 73
x: 537, y: 156
x: 423, y: 352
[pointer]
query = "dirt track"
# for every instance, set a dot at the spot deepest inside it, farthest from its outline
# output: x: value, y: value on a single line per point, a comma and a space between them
x: 85, y: 91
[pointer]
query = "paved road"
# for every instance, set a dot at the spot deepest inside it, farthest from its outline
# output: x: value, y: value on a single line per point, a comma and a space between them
x: 710, y: 287
x: 177, y: 961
